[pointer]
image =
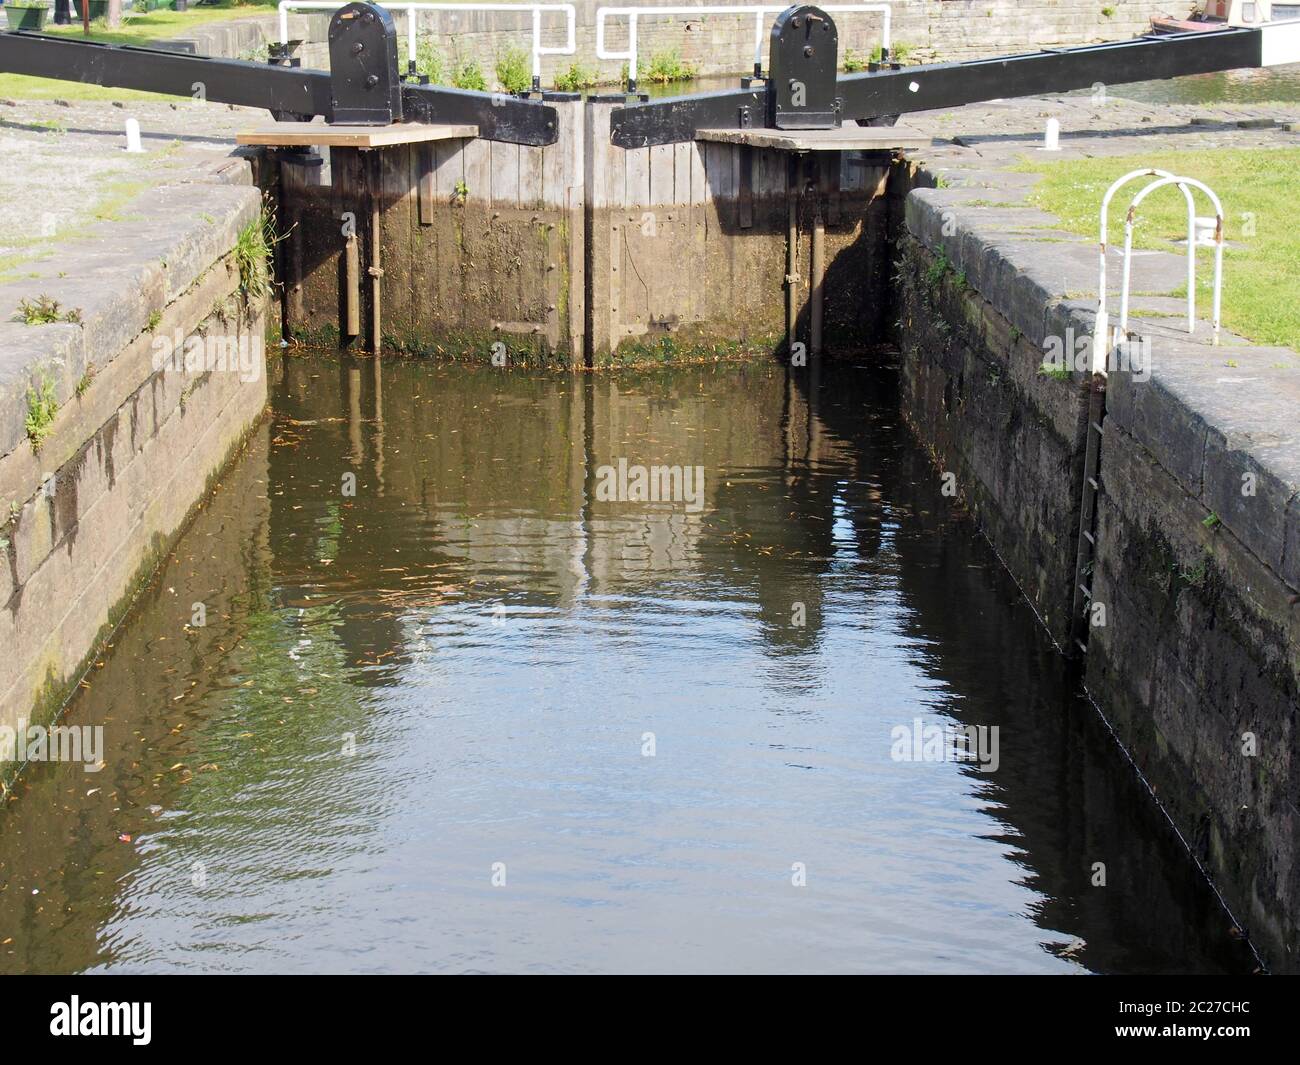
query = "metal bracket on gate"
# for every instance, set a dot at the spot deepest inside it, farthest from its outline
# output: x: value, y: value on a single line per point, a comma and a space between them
x: 803, y: 91
x: 363, y: 87
x: 366, y: 88
x: 804, y: 53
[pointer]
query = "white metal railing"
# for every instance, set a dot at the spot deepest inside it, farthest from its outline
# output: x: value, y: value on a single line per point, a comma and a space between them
x: 1104, y: 341
x: 761, y: 25
x: 413, y: 9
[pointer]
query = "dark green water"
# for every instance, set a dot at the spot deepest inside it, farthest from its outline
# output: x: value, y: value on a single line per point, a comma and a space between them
x: 1272, y: 84
x: 451, y: 676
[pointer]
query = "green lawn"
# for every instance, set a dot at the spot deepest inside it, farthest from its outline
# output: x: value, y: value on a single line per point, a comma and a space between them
x: 135, y: 29
x: 1261, y: 273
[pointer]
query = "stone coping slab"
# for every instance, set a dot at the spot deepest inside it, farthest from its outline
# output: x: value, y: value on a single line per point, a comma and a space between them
x: 1215, y: 417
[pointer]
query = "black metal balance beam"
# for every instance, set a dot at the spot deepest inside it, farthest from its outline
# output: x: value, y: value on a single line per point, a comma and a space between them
x: 878, y: 94
x: 121, y: 66
x: 285, y: 91
x: 924, y: 88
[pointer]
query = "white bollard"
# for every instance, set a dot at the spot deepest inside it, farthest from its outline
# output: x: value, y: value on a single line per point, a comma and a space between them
x: 133, y: 136
x: 1052, y: 137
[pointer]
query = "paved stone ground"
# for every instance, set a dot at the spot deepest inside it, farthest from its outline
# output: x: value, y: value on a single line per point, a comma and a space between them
x: 1045, y: 282
x: 1006, y: 128
x: 89, y: 225
x: 65, y: 174
x: 978, y: 148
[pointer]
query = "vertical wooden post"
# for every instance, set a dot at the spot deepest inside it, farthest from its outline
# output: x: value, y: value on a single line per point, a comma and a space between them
x: 299, y: 171
x: 352, y: 288
x: 794, y: 173
x: 375, y: 181
x: 816, y: 282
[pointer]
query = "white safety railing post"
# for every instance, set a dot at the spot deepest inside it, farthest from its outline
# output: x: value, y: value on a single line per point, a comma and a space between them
x: 537, y: 44
x: 1187, y: 184
x: 631, y: 52
x: 1102, y: 340
x: 570, y: 13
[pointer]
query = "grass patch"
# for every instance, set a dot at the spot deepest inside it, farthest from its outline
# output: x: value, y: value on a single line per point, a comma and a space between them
x: 899, y: 52
x: 41, y: 409
x: 514, y: 71
x: 668, y: 66
x: 470, y: 76
x: 429, y: 62
x: 44, y: 310
x: 135, y: 29
x: 252, y: 254
x: 1257, y: 188
x: 575, y: 78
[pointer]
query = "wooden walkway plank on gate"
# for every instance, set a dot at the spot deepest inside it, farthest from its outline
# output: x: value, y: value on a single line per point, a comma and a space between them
x: 886, y: 139
x: 307, y: 134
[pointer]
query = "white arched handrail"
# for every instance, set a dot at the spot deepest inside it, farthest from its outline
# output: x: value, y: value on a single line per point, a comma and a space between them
x: 1187, y: 183
x: 1102, y: 339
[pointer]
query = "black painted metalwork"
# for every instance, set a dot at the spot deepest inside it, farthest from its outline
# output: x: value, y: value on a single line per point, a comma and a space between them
x: 803, y: 54
x: 366, y: 87
x: 228, y: 81
x: 873, y: 97
x: 801, y: 91
x: 284, y: 88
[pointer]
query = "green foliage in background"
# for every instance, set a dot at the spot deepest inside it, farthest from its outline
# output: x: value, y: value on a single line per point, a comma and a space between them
x: 42, y: 406
x: 429, y: 61
x: 470, y: 76
x: 575, y: 78
x: 514, y: 71
x: 667, y: 66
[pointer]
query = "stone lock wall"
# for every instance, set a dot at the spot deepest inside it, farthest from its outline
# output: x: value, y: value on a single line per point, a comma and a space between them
x: 94, y: 503
x: 1195, y: 662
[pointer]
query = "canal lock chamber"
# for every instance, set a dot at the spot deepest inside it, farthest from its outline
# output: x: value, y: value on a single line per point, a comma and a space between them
x: 584, y: 255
